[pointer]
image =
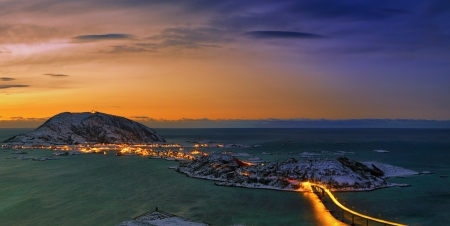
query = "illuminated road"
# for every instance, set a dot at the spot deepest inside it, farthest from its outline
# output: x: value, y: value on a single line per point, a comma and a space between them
x: 351, y: 211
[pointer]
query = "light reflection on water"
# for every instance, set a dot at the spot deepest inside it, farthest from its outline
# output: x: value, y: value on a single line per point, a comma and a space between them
x: 105, y: 190
x: 321, y: 215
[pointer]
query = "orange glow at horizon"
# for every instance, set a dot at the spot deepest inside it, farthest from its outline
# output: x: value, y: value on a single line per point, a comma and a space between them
x: 134, y: 63
x: 158, y: 93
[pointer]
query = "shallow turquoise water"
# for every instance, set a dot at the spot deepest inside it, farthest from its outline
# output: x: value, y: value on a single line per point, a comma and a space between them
x: 105, y: 189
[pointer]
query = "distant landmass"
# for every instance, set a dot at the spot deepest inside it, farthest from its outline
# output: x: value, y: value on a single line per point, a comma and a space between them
x: 92, y: 127
x: 19, y: 122
x: 296, y: 123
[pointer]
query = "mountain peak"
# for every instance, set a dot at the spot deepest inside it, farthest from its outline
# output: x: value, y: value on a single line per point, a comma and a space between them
x: 91, y: 127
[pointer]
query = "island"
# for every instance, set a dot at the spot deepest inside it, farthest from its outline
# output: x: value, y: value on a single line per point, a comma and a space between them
x: 339, y: 174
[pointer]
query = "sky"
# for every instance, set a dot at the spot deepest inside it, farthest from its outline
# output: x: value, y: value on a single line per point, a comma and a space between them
x: 225, y: 60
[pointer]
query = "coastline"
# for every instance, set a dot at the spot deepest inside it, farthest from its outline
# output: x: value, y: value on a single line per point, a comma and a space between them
x: 220, y: 182
x: 408, y: 155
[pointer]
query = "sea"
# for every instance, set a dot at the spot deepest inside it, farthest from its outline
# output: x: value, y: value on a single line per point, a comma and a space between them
x: 97, y: 189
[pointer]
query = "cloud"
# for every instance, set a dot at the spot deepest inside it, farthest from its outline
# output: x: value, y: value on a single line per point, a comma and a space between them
x: 129, y: 49
x: 396, y: 29
x: 13, y: 86
x: 57, y: 75
x: 147, y: 45
x: 190, y: 38
x: 281, y: 34
x: 6, y: 79
x: 176, y: 37
x: 140, y: 117
x: 102, y: 37
x: 15, y: 32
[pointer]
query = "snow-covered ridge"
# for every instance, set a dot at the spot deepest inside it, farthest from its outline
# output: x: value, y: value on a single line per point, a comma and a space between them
x: 92, y: 127
x: 340, y: 174
x: 160, y: 218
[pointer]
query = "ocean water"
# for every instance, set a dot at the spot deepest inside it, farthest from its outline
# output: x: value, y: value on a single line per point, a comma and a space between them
x: 106, y: 190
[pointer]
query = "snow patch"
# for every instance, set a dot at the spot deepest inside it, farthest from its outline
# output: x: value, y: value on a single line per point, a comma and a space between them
x: 381, y: 151
x: 390, y: 170
x: 160, y: 218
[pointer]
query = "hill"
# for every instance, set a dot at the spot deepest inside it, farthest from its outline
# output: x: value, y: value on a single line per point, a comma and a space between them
x: 69, y: 128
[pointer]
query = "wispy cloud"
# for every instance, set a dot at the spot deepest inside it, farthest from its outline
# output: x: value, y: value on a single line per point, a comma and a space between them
x: 13, y: 86
x: 6, y: 79
x: 147, y: 45
x: 15, y: 32
x: 190, y: 38
x: 281, y: 34
x: 140, y: 117
x: 129, y: 49
x: 57, y: 75
x: 101, y: 37
x: 175, y: 37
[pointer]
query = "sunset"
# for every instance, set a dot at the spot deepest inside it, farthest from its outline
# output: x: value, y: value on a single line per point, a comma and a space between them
x: 224, y: 113
x: 225, y: 60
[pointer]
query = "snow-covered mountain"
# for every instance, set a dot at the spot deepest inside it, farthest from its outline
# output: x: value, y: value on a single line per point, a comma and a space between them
x: 339, y: 174
x: 92, y: 127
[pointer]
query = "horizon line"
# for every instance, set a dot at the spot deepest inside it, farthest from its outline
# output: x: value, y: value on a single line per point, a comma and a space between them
x: 20, y: 122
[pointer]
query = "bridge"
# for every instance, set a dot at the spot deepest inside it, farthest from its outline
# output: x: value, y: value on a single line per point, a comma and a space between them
x: 322, y: 191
